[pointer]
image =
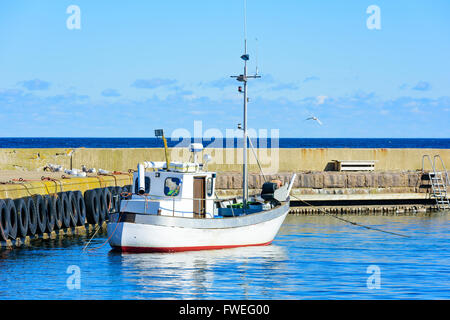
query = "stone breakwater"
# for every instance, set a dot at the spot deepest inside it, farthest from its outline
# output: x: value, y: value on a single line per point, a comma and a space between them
x: 345, y: 192
x: 336, y: 182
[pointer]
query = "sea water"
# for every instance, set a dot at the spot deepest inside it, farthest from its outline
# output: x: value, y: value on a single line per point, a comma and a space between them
x: 39, y: 142
x: 312, y: 257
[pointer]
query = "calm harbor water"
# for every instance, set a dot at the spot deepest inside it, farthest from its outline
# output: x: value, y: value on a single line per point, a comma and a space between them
x: 313, y: 257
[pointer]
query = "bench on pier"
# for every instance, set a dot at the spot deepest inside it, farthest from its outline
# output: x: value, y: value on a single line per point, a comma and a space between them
x: 354, y: 165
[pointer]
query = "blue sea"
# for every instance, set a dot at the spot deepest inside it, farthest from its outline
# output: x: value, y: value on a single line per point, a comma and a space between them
x: 312, y: 257
x: 420, y: 143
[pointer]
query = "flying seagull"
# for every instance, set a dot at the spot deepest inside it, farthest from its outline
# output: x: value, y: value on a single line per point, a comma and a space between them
x: 315, y: 119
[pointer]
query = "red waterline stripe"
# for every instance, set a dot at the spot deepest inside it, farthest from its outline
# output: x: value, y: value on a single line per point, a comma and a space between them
x: 181, y: 249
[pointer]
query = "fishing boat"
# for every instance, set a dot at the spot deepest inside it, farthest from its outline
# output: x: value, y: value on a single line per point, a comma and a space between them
x: 174, y: 208
x: 173, y: 205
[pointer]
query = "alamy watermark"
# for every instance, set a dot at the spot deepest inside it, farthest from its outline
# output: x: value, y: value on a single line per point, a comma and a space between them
x: 73, y: 22
x: 373, y: 22
x: 374, y: 280
x: 223, y: 150
x: 74, y: 280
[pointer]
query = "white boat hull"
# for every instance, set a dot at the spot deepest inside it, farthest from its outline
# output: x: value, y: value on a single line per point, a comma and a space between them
x: 165, y: 235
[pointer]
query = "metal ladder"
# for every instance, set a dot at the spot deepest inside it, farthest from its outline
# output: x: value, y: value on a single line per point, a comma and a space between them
x: 439, y: 182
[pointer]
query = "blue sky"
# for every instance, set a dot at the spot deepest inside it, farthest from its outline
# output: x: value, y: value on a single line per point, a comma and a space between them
x: 139, y: 65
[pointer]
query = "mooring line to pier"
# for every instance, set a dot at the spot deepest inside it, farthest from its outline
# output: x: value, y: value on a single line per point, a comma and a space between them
x: 351, y: 222
x: 118, y: 220
x: 98, y: 228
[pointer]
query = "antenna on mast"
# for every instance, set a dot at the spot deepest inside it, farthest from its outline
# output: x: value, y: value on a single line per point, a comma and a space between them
x: 245, y: 26
x: 256, y: 56
x: 244, y: 78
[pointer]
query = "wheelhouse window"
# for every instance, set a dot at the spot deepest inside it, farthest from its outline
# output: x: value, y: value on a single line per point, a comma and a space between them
x: 172, y: 187
x: 147, y: 185
x: 209, y: 187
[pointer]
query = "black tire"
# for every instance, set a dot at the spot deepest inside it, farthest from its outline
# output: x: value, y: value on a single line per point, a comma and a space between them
x: 4, y: 221
x: 13, y: 219
x: 117, y: 198
x: 109, y: 202
x: 50, y: 206
x: 59, y: 212
x: 23, y: 217
x: 67, y: 209
x: 103, y: 209
x: 112, y: 191
x: 82, y: 208
x: 41, y: 210
x: 92, y: 203
x: 32, y: 216
x: 74, y: 207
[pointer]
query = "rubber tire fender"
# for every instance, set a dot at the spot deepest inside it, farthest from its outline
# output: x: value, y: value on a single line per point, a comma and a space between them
x: 41, y: 210
x: 112, y: 191
x: 50, y: 206
x: 23, y: 216
x: 82, y: 208
x: 92, y: 206
x: 32, y: 216
x: 4, y: 221
x: 67, y: 209
x: 59, y: 211
x: 74, y: 208
x: 117, y: 198
x: 13, y: 218
x: 109, y: 202
x: 103, y: 208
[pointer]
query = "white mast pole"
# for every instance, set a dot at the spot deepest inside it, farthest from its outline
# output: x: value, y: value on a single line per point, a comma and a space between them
x: 243, y: 78
x: 245, y: 169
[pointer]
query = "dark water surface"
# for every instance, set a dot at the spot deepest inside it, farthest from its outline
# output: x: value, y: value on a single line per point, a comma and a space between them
x: 225, y: 143
x: 313, y: 257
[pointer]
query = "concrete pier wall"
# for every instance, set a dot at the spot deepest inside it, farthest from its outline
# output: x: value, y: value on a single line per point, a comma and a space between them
x: 30, y: 187
x: 338, y: 185
x: 223, y: 160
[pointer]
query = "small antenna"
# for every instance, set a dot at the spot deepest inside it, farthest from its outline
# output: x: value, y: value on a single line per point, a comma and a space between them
x: 256, y: 72
x: 245, y: 26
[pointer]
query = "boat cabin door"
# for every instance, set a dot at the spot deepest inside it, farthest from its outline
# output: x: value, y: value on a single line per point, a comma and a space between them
x: 199, y: 197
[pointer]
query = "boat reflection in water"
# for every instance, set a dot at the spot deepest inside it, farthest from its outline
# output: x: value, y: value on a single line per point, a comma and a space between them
x: 196, y: 274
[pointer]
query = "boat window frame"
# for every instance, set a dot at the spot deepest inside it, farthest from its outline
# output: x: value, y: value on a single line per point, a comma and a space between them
x: 209, y: 187
x: 179, y: 184
x: 146, y: 179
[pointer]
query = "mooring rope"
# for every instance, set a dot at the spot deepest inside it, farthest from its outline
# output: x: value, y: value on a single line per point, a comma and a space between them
x: 117, y: 223
x: 351, y: 222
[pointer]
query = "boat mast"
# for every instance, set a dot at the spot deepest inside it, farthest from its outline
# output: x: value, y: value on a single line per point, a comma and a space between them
x: 244, y: 78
